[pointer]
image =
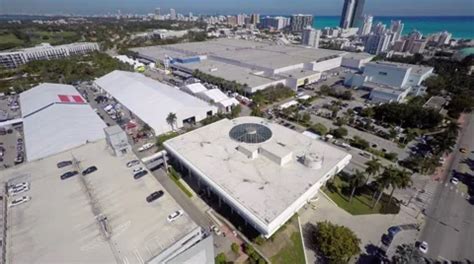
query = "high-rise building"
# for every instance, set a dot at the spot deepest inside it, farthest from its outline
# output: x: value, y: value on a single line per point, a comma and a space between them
x: 172, y: 14
x: 418, y: 46
x: 351, y: 16
x: 367, y: 26
x: 379, y: 28
x: 232, y: 20
x: 399, y: 45
x: 276, y: 23
x: 412, y: 37
x: 310, y: 37
x: 377, y: 43
x: 254, y: 19
x: 300, y: 22
x: 396, y: 27
x: 241, y: 19
x: 444, y: 38
x: 157, y: 11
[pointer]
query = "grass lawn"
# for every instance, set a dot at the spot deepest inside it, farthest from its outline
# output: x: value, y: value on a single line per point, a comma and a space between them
x: 292, y: 253
x: 361, y: 203
x: 10, y: 38
x: 285, y: 246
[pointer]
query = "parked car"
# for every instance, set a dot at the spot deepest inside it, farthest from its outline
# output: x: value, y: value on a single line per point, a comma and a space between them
x: 18, y: 201
x: 15, y: 191
x: 89, y: 170
x: 18, y: 185
x: 137, y: 170
x: 140, y: 174
x: 132, y: 163
x: 423, y: 247
x: 392, y: 231
x: 150, y: 198
x: 19, y: 159
x: 463, y: 150
x: 69, y: 174
x: 147, y: 146
x: 64, y: 163
x: 454, y: 180
x: 175, y: 215
x: 216, y: 230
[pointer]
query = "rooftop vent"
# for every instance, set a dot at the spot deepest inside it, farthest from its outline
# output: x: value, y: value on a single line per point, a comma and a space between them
x: 313, y: 161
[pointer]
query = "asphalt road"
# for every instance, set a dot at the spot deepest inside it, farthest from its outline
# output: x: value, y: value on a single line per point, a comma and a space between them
x: 449, y: 228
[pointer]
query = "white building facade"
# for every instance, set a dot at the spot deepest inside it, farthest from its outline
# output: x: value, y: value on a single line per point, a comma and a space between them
x: 45, y: 51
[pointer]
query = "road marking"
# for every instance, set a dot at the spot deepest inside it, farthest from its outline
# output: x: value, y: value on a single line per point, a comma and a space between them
x: 139, y: 257
x: 457, y: 190
x: 446, y: 184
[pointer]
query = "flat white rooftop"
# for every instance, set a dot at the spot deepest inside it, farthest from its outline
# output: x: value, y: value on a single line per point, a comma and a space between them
x: 57, y: 118
x: 59, y: 224
x: 266, y: 185
x: 152, y: 101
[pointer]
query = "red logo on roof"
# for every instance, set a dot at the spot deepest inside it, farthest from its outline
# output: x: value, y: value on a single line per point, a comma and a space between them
x: 75, y: 99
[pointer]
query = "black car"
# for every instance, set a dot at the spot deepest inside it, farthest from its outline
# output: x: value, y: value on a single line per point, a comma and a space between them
x: 68, y: 174
x: 150, y: 198
x: 89, y: 170
x: 140, y: 174
x: 63, y: 164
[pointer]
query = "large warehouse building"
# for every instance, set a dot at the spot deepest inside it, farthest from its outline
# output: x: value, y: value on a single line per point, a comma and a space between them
x: 255, y: 64
x: 56, y: 118
x: 152, y: 101
x: 263, y: 171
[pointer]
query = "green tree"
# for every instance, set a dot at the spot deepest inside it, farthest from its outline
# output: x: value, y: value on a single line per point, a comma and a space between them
x: 386, y: 179
x: 325, y: 90
x: 235, y: 248
x: 171, y: 120
x: 373, y: 168
x: 356, y: 181
x: 408, y: 254
x: 306, y: 118
x: 319, y: 129
x: 236, y: 110
x: 221, y: 258
x: 337, y: 243
x: 339, y: 132
x: 401, y: 180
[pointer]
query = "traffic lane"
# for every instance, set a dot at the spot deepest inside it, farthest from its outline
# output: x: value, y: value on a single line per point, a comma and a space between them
x: 438, y: 232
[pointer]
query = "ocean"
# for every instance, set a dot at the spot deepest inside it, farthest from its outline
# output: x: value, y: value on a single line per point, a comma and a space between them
x: 459, y: 26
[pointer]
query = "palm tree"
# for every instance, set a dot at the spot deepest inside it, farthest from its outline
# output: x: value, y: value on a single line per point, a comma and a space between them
x: 383, y: 181
x: 401, y: 180
x: 452, y: 129
x: 356, y: 181
x: 373, y: 168
x: 171, y: 120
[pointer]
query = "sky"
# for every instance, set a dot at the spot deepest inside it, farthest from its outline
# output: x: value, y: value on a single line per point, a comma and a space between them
x: 283, y: 7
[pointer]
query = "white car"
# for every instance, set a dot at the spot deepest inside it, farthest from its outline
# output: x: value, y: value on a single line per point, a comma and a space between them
x: 132, y: 163
x: 18, y: 185
x: 454, y: 180
x: 18, y: 201
x: 172, y: 217
x: 15, y: 191
x: 216, y: 230
x: 423, y: 247
x: 145, y: 147
x: 137, y: 170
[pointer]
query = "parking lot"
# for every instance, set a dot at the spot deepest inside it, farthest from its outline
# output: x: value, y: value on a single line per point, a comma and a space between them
x: 102, y: 217
x: 12, y: 146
